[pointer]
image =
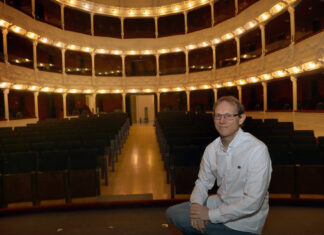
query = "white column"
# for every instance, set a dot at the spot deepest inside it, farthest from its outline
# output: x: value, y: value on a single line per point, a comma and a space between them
x: 157, y: 65
x: 188, y: 100
x: 36, y: 93
x: 93, y: 64
x: 35, y: 54
x: 214, y: 56
x: 292, y: 23
x: 94, y: 103
x: 239, y: 89
x: 33, y: 8
x: 63, y: 60
x: 5, y: 45
x: 215, y: 94
x: 64, y: 105
x: 156, y: 27
x: 92, y: 23
x: 294, y: 92
x: 124, y: 102
x: 236, y: 7
x: 263, y: 39
x: 238, y: 52
x: 212, y: 13
x: 265, y: 96
x: 123, y: 66
x: 62, y: 16
x: 186, y: 21
x: 187, y: 61
x: 158, y: 101
x: 6, y: 103
x: 122, y: 26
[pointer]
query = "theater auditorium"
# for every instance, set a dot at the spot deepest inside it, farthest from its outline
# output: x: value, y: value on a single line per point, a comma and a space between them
x: 106, y: 108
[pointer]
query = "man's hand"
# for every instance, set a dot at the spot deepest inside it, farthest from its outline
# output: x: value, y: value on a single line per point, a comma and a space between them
x: 199, y: 217
x: 199, y: 224
x: 198, y: 211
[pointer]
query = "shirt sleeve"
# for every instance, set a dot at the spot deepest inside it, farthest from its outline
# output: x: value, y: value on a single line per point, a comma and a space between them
x: 254, y: 192
x: 206, y: 179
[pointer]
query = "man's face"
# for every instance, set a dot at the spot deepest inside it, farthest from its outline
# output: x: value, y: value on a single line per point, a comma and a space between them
x: 227, y: 128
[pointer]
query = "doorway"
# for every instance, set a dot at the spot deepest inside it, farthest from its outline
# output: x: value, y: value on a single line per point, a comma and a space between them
x: 141, y: 108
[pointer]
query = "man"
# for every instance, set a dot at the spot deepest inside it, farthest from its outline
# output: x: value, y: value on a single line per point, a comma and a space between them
x: 241, y: 166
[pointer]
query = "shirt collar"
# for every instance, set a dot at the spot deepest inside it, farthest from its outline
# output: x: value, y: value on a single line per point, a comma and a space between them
x: 234, y: 142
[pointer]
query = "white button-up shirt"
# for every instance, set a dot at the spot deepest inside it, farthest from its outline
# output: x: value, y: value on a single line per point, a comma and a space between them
x: 243, y: 175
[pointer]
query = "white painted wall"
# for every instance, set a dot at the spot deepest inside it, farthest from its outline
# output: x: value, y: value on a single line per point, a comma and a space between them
x: 143, y: 101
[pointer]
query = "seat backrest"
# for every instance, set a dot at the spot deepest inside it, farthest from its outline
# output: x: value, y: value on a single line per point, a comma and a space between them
x: 20, y: 162
x: 84, y: 158
x: 56, y: 160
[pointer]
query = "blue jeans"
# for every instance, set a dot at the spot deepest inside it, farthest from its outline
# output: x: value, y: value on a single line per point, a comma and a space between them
x: 178, y: 215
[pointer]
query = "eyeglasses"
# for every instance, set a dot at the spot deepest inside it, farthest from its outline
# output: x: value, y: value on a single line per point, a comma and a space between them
x: 227, y: 116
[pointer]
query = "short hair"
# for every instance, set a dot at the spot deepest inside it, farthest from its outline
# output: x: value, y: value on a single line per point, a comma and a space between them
x: 232, y: 100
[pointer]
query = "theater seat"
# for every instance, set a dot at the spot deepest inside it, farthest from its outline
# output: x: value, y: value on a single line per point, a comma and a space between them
x: 84, y: 174
x: 51, y: 177
x: 18, y: 179
x: 283, y: 179
x: 310, y: 179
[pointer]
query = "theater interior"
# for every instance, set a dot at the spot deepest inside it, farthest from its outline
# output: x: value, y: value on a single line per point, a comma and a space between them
x: 106, y: 108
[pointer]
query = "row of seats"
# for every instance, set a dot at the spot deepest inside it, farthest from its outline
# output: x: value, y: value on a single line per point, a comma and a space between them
x: 179, y: 136
x: 29, y: 176
x: 57, y: 159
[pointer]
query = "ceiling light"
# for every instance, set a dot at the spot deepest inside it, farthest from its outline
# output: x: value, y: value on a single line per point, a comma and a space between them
x: 18, y: 87
x: 266, y: 76
x: 162, y: 11
x: 227, y: 36
x: 241, y: 82
x: 239, y: 31
x: 131, y: 12
x: 253, y: 79
x: 277, y: 8
x: 59, y: 44
x: 216, y: 40
x: 294, y: 70
x: 279, y: 73
x: 4, y: 84
x: 264, y: 16
x: 250, y: 24
x: 311, y: 65
x: 4, y: 23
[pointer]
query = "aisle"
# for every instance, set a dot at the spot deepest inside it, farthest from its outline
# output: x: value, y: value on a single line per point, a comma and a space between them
x: 139, y: 169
